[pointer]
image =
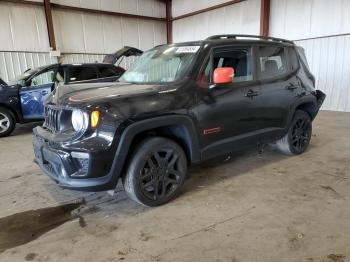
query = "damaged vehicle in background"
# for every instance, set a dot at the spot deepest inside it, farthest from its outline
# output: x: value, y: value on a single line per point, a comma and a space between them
x: 178, y: 105
x: 22, y: 99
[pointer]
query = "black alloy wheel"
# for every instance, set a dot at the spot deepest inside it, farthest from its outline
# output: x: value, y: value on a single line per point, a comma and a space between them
x: 156, y: 172
x: 301, y: 134
x: 298, y: 136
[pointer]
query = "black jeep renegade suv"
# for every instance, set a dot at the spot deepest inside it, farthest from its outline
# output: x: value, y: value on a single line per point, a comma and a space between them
x: 179, y: 104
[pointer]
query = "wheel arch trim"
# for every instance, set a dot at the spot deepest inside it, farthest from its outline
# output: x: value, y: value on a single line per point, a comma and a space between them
x: 303, y: 101
x: 138, y: 127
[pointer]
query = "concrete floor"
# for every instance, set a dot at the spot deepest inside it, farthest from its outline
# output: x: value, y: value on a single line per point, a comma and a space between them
x: 249, y: 208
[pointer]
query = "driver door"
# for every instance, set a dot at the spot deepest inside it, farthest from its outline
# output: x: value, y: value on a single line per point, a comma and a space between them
x: 228, y: 114
x: 33, y: 95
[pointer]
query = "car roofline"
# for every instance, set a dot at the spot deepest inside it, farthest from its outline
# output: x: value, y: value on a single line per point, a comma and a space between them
x: 235, y: 39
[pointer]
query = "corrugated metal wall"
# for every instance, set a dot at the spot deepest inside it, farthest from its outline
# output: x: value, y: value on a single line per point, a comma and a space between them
x: 24, y: 43
x: 152, y: 8
x: 80, y: 32
x: 329, y: 56
x: 329, y: 60
x: 240, y: 18
x: 80, y: 36
x: 13, y: 64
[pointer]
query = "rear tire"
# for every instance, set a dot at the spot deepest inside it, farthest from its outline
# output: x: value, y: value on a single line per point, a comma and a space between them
x: 298, y: 137
x: 156, y: 172
x: 7, y: 122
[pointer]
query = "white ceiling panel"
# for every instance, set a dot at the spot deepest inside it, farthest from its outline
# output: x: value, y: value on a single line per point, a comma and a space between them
x: 23, y: 28
x: 146, y: 29
x: 129, y: 6
x: 130, y: 32
x: 181, y: 7
x: 112, y: 31
x: 240, y: 18
x: 69, y: 31
x: 111, y: 5
x: 160, y: 36
x: 6, y: 33
x: 299, y: 19
x: 93, y: 33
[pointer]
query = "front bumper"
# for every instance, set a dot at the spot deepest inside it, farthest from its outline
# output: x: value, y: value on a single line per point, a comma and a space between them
x: 71, y: 170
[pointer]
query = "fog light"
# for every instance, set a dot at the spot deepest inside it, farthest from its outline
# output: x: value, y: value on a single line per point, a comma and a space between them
x: 81, y: 160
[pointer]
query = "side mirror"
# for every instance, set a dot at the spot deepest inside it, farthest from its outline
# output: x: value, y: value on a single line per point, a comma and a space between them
x: 223, y: 75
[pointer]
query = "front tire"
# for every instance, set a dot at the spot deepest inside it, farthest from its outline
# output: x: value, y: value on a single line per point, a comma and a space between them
x: 298, y: 137
x: 156, y: 172
x: 7, y: 122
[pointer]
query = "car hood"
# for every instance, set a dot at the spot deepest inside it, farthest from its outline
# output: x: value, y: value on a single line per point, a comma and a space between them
x: 95, y: 93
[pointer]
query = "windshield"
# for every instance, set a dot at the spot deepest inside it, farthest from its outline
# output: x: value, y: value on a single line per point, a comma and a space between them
x: 23, y: 77
x: 163, y: 64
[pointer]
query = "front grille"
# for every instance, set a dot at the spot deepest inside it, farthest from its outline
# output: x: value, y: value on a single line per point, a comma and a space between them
x: 52, y: 118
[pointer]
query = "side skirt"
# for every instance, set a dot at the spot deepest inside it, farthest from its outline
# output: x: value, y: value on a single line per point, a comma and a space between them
x: 241, y: 142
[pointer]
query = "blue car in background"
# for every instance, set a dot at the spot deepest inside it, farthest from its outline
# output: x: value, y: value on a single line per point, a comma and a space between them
x: 22, y: 99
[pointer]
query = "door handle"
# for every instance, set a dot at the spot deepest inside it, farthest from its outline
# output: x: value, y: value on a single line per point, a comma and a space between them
x: 291, y: 87
x: 44, y: 92
x: 251, y: 93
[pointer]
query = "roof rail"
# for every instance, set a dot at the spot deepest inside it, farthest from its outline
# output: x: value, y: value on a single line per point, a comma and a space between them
x: 217, y: 37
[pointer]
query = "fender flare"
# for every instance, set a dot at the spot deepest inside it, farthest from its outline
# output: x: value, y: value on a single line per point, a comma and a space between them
x: 301, y: 101
x: 136, y: 128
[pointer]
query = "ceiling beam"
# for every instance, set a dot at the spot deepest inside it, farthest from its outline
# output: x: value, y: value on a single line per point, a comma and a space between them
x: 265, y: 17
x: 49, y: 24
x: 24, y: 2
x: 87, y: 10
x: 102, y: 12
x: 169, y: 22
x: 207, y: 9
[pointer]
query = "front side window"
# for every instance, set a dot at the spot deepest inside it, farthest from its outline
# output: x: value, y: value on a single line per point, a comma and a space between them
x: 238, y: 59
x: 272, y: 62
x: 43, y: 78
x: 82, y: 73
x: 161, y: 65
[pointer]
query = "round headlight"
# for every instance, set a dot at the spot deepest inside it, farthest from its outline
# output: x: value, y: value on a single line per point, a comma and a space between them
x: 78, y: 120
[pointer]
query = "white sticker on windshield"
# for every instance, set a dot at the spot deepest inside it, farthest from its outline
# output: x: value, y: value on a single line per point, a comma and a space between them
x: 188, y: 49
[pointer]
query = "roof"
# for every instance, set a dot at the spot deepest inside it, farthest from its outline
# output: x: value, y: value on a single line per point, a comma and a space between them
x: 86, y: 64
x: 247, y: 39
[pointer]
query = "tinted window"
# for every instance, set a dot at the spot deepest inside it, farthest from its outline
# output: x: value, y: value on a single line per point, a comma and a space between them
x: 238, y: 59
x: 107, y: 71
x: 81, y: 73
x: 43, y: 78
x: 293, y: 58
x: 272, y: 62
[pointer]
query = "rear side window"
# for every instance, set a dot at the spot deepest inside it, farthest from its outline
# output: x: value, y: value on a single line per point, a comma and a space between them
x: 272, y: 62
x: 107, y: 71
x: 293, y: 59
x: 81, y: 73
